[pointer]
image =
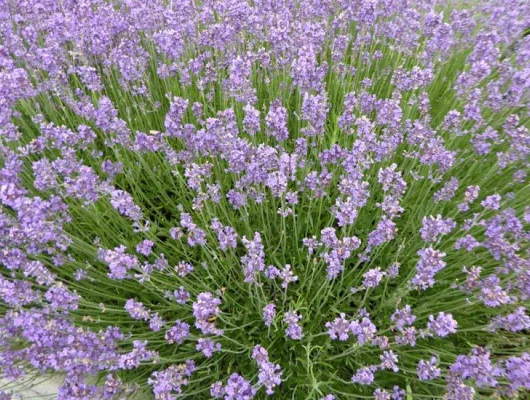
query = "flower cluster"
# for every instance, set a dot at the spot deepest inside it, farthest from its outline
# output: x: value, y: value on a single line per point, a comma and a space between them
x: 269, y: 374
x: 314, y: 199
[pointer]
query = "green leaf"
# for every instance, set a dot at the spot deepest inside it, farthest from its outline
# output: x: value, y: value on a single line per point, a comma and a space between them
x: 409, y: 392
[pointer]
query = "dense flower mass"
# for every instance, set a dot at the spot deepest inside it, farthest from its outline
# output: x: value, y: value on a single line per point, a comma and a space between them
x: 237, y: 199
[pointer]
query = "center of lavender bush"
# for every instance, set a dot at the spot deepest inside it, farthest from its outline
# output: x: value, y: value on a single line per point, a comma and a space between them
x: 232, y: 199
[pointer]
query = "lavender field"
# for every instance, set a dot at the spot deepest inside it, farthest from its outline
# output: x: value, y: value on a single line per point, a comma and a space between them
x: 266, y: 199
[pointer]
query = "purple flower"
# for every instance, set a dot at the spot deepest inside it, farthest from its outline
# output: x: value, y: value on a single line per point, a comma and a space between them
x: 433, y: 228
x: 269, y: 374
x: 204, y: 308
x: 389, y: 361
x: 254, y: 261
x: 305, y: 71
x: 381, y: 341
x: 260, y: 354
x: 119, y: 262
x: 269, y: 313
x: 145, y: 247
x: 391, y: 180
x: 467, y: 242
x: 272, y: 272
x: 138, y: 354
x: 294, y: 331
x: 477, y: 366
x: 60, y: 297
x: 373, y: 277
x: 311, y: 244
x: 518, y: 371
x: 456, y: 389
x: 277, y: 183
x: 448, y: 191
x: 208, y: 347
x: 137, y: 310
x: 408, y: 336
x: 156, y: 322
x: 181, y: 295
x: 291, y: 198
x: 443, y: 325
x: 339, y: 328
x: 345, y: 211
x: 123, y: 202
x: 364, y: 376
x: 334, y: 264
x: 492, y: 202
x: 314, y: 111
x: 398, y: 393
x: 403, y: 317
x: 112, y: 387
x: 183, y: 268
x: 428, y: 370
x: 329, y: 237
x: 520, y: 176
x: 429, y: 264
x: 196, y: 236
x: 236, y: 198
x: 173, y: 122
x: 382, y: 394
x: 238, y: 388
x: 227, y: 237
x: 217, y: 390
x: 176, y: 233
x: 393, y: 270
x: 178, y: 332
x: 384, y: 232
x: 170, y: 380
x: 470, y: 195
x: 492, y: 294
x: 514, y: 322
x: 364, y: 330
x: 269, y: 137
x: 251, y: 122
x: 80, y: 274
x: 287, y: 276
x: 276, y: 121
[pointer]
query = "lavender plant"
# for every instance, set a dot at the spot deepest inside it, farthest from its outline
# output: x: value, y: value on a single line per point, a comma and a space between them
x: 232, y: 199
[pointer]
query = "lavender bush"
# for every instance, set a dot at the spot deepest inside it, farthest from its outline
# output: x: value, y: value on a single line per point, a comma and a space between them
x: 232, y: 199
